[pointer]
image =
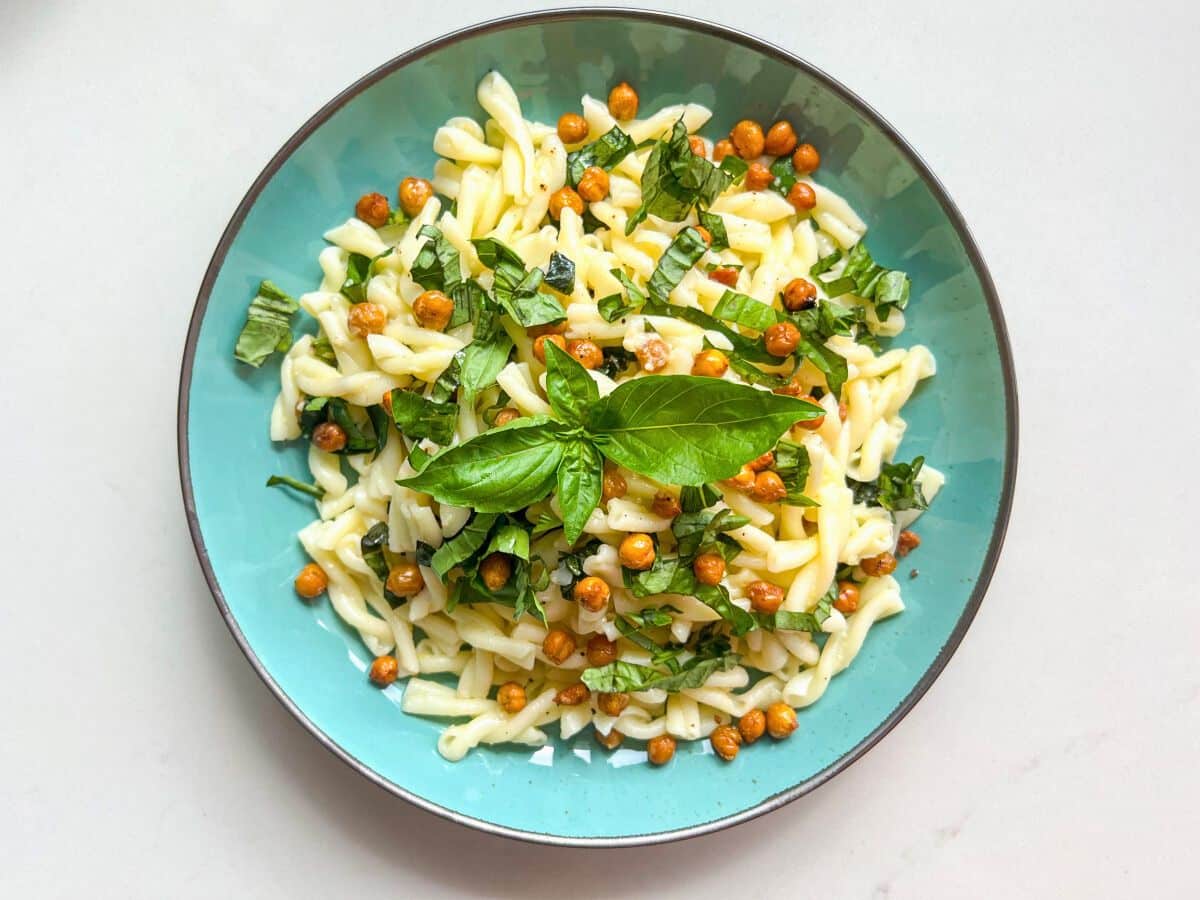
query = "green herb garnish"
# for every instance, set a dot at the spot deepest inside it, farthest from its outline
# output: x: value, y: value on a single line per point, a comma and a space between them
x: 606, y: 151
x: 895, y: 489
x: 285, y: 481
x: 268, y: 325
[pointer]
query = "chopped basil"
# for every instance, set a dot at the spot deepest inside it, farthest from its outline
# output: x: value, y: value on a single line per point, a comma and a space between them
x: 675, y: 180
x: 416, y: 417
x: 560, y: 273
x: 716, y: 598
x: 359, y: 437
x: 359, y: 269
x: 464, y: 546
x: 786, y: 620
x: 621, y: 676
x: 286, y: 481
x: 515, y: 289
x: 371, y: 545
x: 862, y: 276
x: 606, y: 151
x: 681, y: 254
x: 696, y: 531
x: 486, y: 355
x: 716, y: 227
x: 792, y: 465
x: 437, y: 266
x: 695, y: 498
x: 735, y: 167
x: 323, y: 350
x: 468, y: 300
x: 825, y: 263
x: 744, y: 310
x: 268, y: 325
x: 573, y: 563
x: 785, y: 175
x: 895, y: 489
x: 614, y: 306
x: 747, y: 348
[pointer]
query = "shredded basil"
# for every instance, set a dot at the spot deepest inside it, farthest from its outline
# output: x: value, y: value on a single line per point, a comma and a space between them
x: 681, y: 254
x: 744, y: 310
x: 896, y: 488
x: 716, y: 227
x: 560, y: 273
x: 417, y: 417
x: 268, y: 325
x: 361, y: 436
x: 792, y: 465
x: 621, y: 676
x: 675, y: 180
x: 437, y: 266
x: 606, y: 151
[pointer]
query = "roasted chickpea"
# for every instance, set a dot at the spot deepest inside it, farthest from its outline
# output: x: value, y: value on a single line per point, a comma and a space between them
x: 765, y: 597
x: 802, y: 196
x: 405, y: 579
x: 907, y: 542
x: 612, y: 704
x: 511, y: 697
x: 573, y: 694
x: 561, y: 199
x: 711, y: 363
x: 752, y: 725
x: 653, y: 355
x: 539, y: 345
x: 495, y: 570
x: 810, y: 424
x: 660, y: 749
x: 610, y: 741
x: 600, y: 650
x: 781, y: 338
x: 586, y: 353
x: 758, y: 177
x: 329, y: 437
x: 572, y: 128
x: 373, y: 209
x: 637, y: 552
x: 383, y: 671
x: 558, y: 645
x: 665, y: 505
x: 722, y: 149
x: 748, y: 140
x: 311, y: 582
x: 366, y: 318
x: 726, y: 275
x: 623, y: 101
x: 762, y: 463
x: 414, y: 194
x: 726, y: 741
x: 743, y: 480
x: 506, y: 415
x: 709, y: 568
x: 847, y: 597
x: 876, y: 566
x: 433, y: 309
x: 799, y: 294
x: 781, y: 720
x: 613, y: 485
x: 592, y: 593
x: 697, y: 146
x: 768, y: 488
x: 593, y: 184
x: 806, y: 159
x: 781, y: 139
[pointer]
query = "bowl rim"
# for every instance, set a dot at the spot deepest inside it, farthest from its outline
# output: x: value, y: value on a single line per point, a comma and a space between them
x: 1004, y: 349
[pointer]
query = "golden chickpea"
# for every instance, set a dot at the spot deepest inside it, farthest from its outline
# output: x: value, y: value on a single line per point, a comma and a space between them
x: 791, y: 389
x: 610, y: 741
x: 612, y: 704
x: 781, y: 139
x: 765, y: 597
x: 709, y: 568
x: 587, y: 353
x: 758, y: 177
x: 311, y: 582
x: 907, y: 542
x: 781, y: 338
x: 572, y: 128
x: 752, y: 725
x: 506, y: 415
x: 433, y: 309
x: 613, y: 485
x: 660, y: 749
x: 665, y: 505
x: 810, y: 424
x: 539, y: 345
x: 711, y: 363
x: 414, y: 194
x: 877, y: 566
x: 329, y: 437
x: 799, y: 294
x: 768, y: 488
x: 705, y: 234
x: 726, y: 275
x: 762, y: 463
x: 383, y: 671
x: 600, y: 650
x: 653, y: 355
x: 592, y: 593
x: 561, y: 199
x: 802, y: 196
x: 593, y: 184
x: 722, y: 149
x: 495, y: 570
x: 781, y: 720
x: 405, y: 579
x: 373, y: 209
x: 573, y: 694
x: 726, y: 741
x: 748, y: 140
x: 623, y: 101
x: 743, y: 481
x: 697, y: 146
x: 558, y: 645
x: 806, y: 159
x: 637, y: 552
x: 511, y: 697
x: 366, y: 318
x: 847, y: 597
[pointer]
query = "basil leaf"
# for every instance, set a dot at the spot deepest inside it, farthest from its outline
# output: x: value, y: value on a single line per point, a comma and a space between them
x: 510, y: 539
x: 416, y: 417
x: 418, y: 458
x: 743, y: 346
x: 675, y: 179
x: 437, y: 266
x: 626, y: 677
x: 792, y: 465
x: 496, y: 254
x: 695, y: 498
x: 500, y: 470
x: 515, y: 289
x: 786, y: 620
x: 337, y: 411
x: 359, y: 269
x: 464, y: 545
x: 616, y: 361
x: 891, y: 291
x: 831, y: 364
x: 735, y: 167
x: 744, y: 310
x: 681, y: 254
x: 486, y: 355
x: 825, y: 263
x: 785, y: 175
x: 606, y: 151
x: 751, y: 373
x: 571, y: 390
x: 469, y: 299
x: 895, y: 489
x: 546, y: 522
x: 580, y: 484
x: 695, y: 530
x: 668, y: 575
x: 573, y: 563
x: 323, y: 350
x: 685, y: 429
x: 716, y: 227
x: 286, y: 481
x: 887, y: 288
x: 268, y: 325
x: 560, y: 273
x: 829, y: 318
x: 613, y: 307
x: 379, y: 423
x: 448, y: 382
x: 371, y: 545
x: 716, y: 598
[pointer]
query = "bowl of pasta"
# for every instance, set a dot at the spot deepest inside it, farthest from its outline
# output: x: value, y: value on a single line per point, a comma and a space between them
x: 558, y: 421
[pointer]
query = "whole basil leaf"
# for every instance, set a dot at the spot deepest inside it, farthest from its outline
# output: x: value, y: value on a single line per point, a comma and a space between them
x: 571, y: 389
x: 464, y: 545
x: 681, y: 254
x: 580, y: 484
x: 416, y: 417
x: 268, y: 325
x: 560, y: 273
x: 606, y: 151
x: 746, y: 311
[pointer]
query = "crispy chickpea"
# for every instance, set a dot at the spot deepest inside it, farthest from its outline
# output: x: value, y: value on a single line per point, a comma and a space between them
x: 781, y: 139
x: 762, y: 463
x: 875, y: 566
x: 329, y: 437
x: 511, y: 697
x: 373, y: 209
x: 781, y: 338
x: 765, y: 597
x: 539, y: 345
x: 747, y: 138
x: 593, y: 184
x: 311, y: 582
x: 799, y: 294
x: 653, y: 355
x: 810, y: 424
x: 561, y: 199
x: 722, y: 149
x: 660, y: 749
x: 705, y: 234
x: 572, y: 128
x: 414, y: 194
x: 383, y: 671
x: 806, y: 159
x: 612, y: 704
x: 709, y: 568
x: 573, y: 694
x: 791, y: 389
x: 665, y: 505
x: 613, y: 485
x: 907, y: 542
x: 433, y: 309
x: 592, y: 593
x: 847, y: 597
x: 600, y: 650
x: 586, y: 353
x: 697, y: 146
x: 726, y: 741
x: 495, y: 570
x: 404, y: 579
x: 802, y: 196
x: 558, y: 645
x: 743, y: 480
x: 366, y: 318
x: 768, y: 487
x: 610, y: 741
x: 637, y: 552
x: 752, y: 725
x: 781, y: 720
x: 726, y: 275
x: 711, y: 363
x: 623, y: 101
x: 506, y: 415
x: 758, y: 177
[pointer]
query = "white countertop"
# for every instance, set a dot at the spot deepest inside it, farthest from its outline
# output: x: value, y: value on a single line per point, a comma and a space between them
x: 1057, y: 754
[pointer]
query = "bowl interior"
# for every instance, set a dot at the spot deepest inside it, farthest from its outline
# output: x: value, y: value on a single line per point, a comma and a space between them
x: 573, y: 790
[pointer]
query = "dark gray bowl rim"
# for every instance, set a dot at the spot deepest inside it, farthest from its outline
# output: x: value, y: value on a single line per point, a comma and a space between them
x: 1010, y: 392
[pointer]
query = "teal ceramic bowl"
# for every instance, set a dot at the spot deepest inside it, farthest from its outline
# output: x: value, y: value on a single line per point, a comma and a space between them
x: 570, y: 792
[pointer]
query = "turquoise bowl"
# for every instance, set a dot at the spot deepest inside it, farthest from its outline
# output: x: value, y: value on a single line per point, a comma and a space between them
x: 380, y: 129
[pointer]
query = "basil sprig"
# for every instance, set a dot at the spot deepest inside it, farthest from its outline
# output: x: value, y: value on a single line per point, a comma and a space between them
x: 268, y: 325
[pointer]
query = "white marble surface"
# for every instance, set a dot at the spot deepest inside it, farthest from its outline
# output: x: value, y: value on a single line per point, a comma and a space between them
x: 1057, y: 755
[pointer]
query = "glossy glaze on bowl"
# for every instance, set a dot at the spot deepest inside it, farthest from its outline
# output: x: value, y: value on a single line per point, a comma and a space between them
x: 379, y: 130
